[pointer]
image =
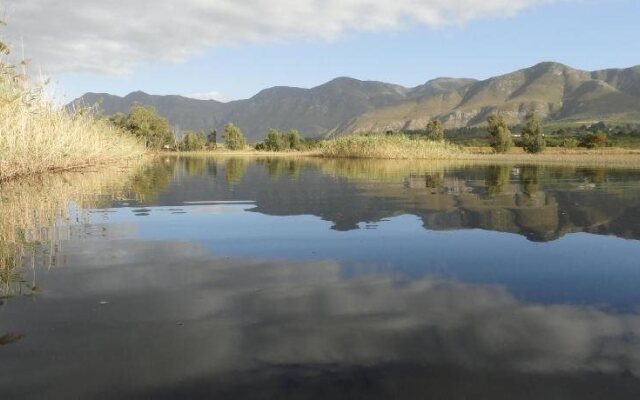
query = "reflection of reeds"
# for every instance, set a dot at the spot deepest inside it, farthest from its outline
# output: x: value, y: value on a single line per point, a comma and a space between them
x: 32, y: 211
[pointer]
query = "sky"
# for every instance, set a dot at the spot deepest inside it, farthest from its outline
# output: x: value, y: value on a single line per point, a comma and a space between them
x: 230, y: 49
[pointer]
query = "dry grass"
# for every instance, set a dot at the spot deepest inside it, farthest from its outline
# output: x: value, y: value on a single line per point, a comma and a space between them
x: 608, y: 157
x: 389, y: 147
x: 403, y: 147
x: 37, y: 136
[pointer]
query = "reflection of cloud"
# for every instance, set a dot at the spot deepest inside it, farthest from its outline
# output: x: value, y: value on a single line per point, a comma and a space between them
x: 239, y: 315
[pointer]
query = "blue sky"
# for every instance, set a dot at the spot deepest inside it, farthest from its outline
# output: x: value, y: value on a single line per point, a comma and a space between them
x: 586, y: 34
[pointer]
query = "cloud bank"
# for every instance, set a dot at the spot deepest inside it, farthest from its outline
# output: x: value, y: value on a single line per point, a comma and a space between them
x: 113, y: 36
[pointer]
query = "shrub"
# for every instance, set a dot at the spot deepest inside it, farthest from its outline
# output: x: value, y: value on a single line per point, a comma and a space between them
x: 233, y: 137
x: 276, y: 141
x: 145, y: 123
x: 532, y: 138
x: 435, y: 130
x: 594, y: 140
x: 569, y: 143
x: 193, y: 141
x: 499, y: 135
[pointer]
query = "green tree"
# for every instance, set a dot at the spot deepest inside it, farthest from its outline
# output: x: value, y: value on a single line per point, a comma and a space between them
x: 275, y: 141
x: 233, y: 137
x: 435, y: 130
x: 532, y: 138
x: 145, y: 123
x: 212, y: 139
x: 499, y: 134
x: 193, y: 141
x: 294, y: 139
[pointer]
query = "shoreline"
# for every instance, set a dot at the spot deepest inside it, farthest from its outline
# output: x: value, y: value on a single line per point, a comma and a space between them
x: 613, y: 157
x: 609, y: 157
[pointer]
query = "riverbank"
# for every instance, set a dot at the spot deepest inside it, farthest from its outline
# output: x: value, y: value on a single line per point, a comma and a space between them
x: 38, y: 136
x: 423, y: 150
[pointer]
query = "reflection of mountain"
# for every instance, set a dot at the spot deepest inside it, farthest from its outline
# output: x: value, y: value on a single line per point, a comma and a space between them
x: 541, y: 203
x: 242, y: 329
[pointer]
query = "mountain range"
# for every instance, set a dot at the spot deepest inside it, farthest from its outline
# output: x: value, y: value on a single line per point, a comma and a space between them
x: 345, y: 105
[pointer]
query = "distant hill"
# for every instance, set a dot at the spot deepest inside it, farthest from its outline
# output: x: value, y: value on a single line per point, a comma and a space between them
x: 345, y: 105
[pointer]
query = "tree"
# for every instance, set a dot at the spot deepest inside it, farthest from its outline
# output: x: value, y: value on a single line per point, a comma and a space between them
x: 593, y: 140
x: 435, y: 130
x: 275, y: 141
x: 233, y: 137
x: 212, y: 139
x: 295, y: 141
x: 532, y: 138
x: 145, y: 123
x: 499, y: 134
x: 193, y: 141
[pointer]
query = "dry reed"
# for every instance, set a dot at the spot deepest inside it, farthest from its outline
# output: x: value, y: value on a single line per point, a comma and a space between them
x: 37, y: 136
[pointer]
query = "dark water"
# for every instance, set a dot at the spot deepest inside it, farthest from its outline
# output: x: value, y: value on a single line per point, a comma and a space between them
x: 276, y: 279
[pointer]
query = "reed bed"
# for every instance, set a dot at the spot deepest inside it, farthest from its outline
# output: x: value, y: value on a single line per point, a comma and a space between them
x: 390, y: 147
x: 37, y: 136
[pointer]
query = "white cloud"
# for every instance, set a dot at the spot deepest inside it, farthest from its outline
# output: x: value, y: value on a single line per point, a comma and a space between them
x: 212, y: 95
x: 113, y: 36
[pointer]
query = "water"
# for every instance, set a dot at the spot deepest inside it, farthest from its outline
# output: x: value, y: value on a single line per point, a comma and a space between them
x: 240, y: 278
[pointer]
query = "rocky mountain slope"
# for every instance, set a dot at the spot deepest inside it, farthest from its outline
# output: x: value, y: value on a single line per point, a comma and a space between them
x: 346, y: 105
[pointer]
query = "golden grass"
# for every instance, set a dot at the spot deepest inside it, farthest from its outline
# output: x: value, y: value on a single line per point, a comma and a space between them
x: 37, y: 136
x: 404, y: 147
x: 389, y: 147
x: 608, y: 157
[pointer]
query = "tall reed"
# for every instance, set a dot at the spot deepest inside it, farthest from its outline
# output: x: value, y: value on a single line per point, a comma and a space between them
x: 389, y: 147
x: 37, y: 135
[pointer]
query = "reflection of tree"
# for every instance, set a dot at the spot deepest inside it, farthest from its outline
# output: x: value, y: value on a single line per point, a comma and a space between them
x: 152, y: 179
x: 529, y: 177
x: 435, y: 180
x: 496, y: 177
x: 234, y: 169
x: 195, y: 166
x: 595, y: 175
x: 277, y: 167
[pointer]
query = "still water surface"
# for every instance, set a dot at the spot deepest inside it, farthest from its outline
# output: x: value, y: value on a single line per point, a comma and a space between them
x: 272, y: 279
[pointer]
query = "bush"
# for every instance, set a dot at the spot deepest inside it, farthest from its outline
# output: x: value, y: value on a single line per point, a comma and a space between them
x: 145, y: 123
x: 193, y: 141
x: 569, y: 143
x: 435, y: 130
x: 233, y: 137
x: 282, y: 141
x: 499, y: 134
x: 532, y: 138
x: 594, y: 140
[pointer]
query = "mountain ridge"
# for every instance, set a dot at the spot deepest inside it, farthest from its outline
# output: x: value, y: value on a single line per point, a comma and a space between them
x: 347, y: 105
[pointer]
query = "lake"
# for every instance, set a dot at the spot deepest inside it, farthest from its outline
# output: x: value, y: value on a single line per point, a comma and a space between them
x: 242, y: 278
